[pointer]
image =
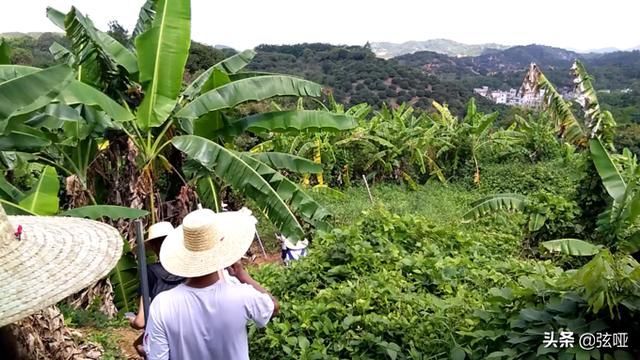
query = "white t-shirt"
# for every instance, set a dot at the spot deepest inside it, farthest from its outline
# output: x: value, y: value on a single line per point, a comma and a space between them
x: 187, y: 323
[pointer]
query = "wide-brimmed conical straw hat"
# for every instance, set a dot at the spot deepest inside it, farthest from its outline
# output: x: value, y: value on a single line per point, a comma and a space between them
x: 44, y: 259
x: 207, y: 242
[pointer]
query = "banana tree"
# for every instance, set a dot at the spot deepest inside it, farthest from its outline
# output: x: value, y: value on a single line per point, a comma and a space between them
x: 61, y: 127
x: 597, y: 123
x: 467, y: 138
x: 203, y: 110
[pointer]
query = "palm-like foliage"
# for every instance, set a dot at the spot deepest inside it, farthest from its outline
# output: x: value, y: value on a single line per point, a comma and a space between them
x: 566, y: 123
x: 600, y: 124
x: 161, y: 47
x: 99, y: 59
x: 397, y: 143
x: 597, y: 123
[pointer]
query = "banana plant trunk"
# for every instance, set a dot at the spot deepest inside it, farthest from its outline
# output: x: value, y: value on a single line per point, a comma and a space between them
x: 317, y: 158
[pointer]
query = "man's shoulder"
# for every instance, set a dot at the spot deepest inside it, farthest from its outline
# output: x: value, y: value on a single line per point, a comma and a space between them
x: 240, y: 289
x: 169, y: 295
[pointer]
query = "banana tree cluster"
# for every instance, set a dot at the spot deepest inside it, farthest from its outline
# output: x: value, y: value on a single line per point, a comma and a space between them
x: 65, y: 117
x: 144, y: 86
x: 400, y: 144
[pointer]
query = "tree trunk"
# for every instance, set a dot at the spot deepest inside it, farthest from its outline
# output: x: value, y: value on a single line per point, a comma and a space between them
x: 43, y: 335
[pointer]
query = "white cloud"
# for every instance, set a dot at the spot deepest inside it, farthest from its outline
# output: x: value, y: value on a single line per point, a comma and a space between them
x: 246, y: 23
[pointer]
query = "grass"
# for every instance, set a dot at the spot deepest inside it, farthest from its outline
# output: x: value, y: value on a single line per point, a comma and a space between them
x: 442, y: 203
x: 108, y: 341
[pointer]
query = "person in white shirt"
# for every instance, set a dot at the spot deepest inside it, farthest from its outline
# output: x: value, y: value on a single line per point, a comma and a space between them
x: 206, y: 317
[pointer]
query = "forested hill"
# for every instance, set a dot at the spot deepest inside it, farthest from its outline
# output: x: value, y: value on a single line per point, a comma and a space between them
x: 503, y: 69
x: 356, y: 75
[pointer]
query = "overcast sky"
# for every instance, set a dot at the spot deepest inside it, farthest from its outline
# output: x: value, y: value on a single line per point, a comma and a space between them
x: 575, y: 24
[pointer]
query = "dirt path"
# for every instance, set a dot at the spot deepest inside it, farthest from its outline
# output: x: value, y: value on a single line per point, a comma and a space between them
x: 125, y: 338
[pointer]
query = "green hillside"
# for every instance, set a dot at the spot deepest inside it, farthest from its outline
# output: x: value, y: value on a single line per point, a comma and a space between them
x: 356, y: 75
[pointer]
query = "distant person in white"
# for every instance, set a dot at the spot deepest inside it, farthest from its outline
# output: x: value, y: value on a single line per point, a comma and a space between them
x: 207, y: 316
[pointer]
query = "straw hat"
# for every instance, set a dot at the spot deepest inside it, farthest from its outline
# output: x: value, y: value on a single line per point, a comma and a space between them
x: 159, y: 230
x: 44, y: 259
x: 207, y: 242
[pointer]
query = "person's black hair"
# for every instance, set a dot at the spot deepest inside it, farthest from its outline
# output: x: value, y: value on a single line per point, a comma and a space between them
x: 155, y: 244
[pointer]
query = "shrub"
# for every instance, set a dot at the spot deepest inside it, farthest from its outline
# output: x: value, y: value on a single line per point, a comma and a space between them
x: 558, y: 177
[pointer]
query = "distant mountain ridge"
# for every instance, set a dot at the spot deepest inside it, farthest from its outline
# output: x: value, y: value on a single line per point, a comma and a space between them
x: 11, y: 35
x: 387, y: 50
x: 505, y: 68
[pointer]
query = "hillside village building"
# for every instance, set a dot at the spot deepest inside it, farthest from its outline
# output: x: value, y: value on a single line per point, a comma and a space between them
x: 511, y: 97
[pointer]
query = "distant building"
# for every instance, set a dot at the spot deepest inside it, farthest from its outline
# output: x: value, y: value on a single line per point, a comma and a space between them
x: 510, y: 97
x: 499, y: 97
x: 483, y: 91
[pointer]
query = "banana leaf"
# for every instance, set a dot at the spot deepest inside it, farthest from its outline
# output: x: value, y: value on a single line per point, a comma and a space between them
x: 251, y: 89
x: 494, y: 203
x: 573, y: 247
x: 16, y: 140
x: 272, y: 192
x: 288, y: 162
x: 62, y: 54
x: 110, y: 211
x: 27, y: 91
x: 207, y: 193
x: 145, y: 18
x: 125, y: 282
x: 536, y: 221
x: 81, y: 93
x: 230, y: 65
x: 611, y: 178
x: 162, y: 54
x: 11, y: 192
x: 290, y: 121
x: 85, y: 38
x: 43, y: 198
x: 76, y: 92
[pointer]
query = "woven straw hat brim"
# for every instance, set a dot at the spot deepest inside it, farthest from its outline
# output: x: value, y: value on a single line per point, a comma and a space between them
x: 238, y: 231
x: 56, y: 257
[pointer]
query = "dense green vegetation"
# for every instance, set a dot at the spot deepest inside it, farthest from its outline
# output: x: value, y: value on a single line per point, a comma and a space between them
x: 481, y: 234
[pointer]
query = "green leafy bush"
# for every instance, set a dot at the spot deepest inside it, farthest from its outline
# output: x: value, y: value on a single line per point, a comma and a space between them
x: 388, y: 286
x: 557, y: 177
